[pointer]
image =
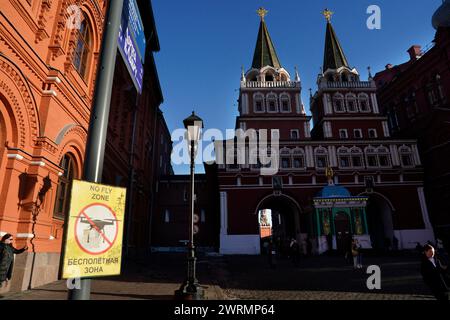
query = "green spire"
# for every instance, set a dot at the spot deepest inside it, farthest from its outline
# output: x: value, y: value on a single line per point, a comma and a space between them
x: 334, y: 57
x: 265, y: 54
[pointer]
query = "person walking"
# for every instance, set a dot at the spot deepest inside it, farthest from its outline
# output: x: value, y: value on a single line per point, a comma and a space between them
x: 7, y: 252
x: 433, y: 273
x: 272, y: 255
x: 294, y: 251
x: 356, y: 253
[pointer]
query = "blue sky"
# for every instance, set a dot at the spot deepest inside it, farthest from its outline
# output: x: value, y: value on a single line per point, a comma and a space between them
x: 204, y: 43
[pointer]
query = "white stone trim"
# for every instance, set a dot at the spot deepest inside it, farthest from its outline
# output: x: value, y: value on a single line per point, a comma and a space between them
x: 49, y: 93
x: 416, y: 155
x: 309, y: 157
x: 245, y: 103
x: 386, y: 129
x: 15, y: 156
x: 307, y: 129
x: 376, y: 110
x: 38, y: 163
x: 54, y: 79
x: 328, y: 133
x: 25, y: 235
x: 395, y: 157
x: 332, y: 156
x: 327, y: 104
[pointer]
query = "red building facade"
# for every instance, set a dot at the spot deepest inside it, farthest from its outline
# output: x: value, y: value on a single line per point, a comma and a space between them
x: 415, y: 98
x: 350, y: 135
x: 48, y: 71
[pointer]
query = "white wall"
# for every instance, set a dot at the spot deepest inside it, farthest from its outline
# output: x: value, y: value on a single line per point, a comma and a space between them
x: 240, y: 244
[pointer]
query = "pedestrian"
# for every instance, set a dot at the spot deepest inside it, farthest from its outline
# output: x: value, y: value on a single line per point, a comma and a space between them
x: 356, y: 253
x: 7, y: 252
x: 272, y: 255
x: 433, y: 273
x: 395, y: 243
x: 294, y: 251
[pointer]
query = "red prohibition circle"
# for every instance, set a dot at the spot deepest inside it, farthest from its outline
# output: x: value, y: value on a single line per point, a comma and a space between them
x: 76, y: 225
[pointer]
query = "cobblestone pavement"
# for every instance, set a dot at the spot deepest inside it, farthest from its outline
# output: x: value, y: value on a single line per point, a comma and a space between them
x: 154, y: 279
x: 320, y: 278
x: 251, y: 278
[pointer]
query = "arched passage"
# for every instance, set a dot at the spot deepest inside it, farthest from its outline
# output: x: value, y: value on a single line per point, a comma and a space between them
x: 380, y: 222
x: 286, y: 219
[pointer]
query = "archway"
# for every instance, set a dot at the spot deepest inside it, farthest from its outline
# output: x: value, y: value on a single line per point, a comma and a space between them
x: 380, y: 222
x: 286, y: 220
x: 343, y: 230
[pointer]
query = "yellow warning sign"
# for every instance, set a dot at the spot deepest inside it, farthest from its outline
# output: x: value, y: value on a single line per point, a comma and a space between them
x: 93, y: 246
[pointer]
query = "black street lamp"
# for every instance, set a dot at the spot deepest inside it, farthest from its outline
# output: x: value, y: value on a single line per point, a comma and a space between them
x: 190, y: 289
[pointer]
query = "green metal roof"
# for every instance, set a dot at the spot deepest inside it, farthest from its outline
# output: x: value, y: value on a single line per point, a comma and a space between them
x: 265, y: 54
x: 334, y: 57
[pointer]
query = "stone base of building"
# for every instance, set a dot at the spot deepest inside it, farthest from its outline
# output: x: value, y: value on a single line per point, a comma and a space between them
x: 240, y: 244
x: 31, y: 273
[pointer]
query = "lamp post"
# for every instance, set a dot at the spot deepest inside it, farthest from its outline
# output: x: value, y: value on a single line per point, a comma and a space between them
x: 190, y: 289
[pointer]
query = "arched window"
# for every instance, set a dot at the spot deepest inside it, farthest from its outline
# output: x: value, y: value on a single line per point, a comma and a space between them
x: 406, y: 156
x: 344, y: 158
x: 344, y: 77
x: 285, y: 158
x: 321, y: 157
x: 363, y: 100
x: 384, y: 157
x: 64, y: 186
x: 285, y: 103
x: 338, y: 103
x: 298, y: 159
x: 371, y: 157
x: 272, y: 105
x: 357, y: 157
x: 258, y: 103
x: 351, y: 102
x: 83, y: 49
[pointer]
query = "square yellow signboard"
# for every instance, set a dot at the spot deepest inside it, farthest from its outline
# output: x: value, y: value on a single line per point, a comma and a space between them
x: 93, y: 246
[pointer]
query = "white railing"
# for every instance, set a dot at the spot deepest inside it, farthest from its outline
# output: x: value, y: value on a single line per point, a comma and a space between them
x: 353, y: 84
x: 270, y: 84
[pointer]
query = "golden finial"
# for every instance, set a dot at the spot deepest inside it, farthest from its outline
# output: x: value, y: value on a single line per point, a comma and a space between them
x: 327, y: 13
x: 262, y: 13
x: 330, y: 174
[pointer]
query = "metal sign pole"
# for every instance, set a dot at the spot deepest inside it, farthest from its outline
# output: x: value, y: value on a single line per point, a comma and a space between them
x: 98, y: 125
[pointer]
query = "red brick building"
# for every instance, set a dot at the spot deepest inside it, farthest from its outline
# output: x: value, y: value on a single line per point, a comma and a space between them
x: 350, y: 135
x: 47, y: 80
x: 415, y: 96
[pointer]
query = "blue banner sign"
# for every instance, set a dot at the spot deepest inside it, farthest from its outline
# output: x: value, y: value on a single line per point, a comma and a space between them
x: 129, y: 52
x: 136, y: 26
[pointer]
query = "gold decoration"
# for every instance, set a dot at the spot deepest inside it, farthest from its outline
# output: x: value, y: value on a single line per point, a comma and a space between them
x: 327, y: 13
x: 262, y: 12
x: 329, y: 173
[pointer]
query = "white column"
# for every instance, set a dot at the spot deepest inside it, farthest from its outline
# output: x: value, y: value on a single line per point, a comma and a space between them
x: 244, y: 103
x: 416, y: 155
x: 307, y: 130
x: 423, y: 206
x: 309, y: 154
x: 375, y: 103
x: 332, y: 156
x: 327, y: 104
x: 298, y: 103
x: 223, y: 213
x: 394, y: 154
x: 386, y: 129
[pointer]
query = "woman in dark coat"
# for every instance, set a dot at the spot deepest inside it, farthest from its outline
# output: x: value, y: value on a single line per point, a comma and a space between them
x: 433, y: 273
x: 7, y: 252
